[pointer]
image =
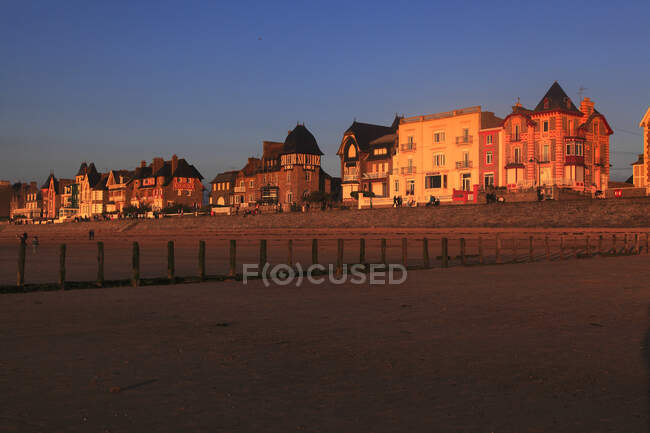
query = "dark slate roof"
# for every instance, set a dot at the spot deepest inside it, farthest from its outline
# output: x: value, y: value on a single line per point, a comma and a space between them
x: 383, y: 140
x: 101, y: 182
x: 82, y: 169
x: 300, y: 140
x: 226, y: 176
x: 489, y: 120
x: 365, y: 133
x: 93, y: 175
x: 46, y: 184
x: 639, y: 160
x: 557, y: 100
x: 253, y: 166
x: 143, y: 172
x: 183, y: 169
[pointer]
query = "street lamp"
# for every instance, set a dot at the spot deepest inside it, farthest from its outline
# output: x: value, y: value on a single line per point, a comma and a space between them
x: 539, y: 177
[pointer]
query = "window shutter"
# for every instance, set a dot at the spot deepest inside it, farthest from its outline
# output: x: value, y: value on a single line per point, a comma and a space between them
x: 553, y: 144
x: 552, y: 124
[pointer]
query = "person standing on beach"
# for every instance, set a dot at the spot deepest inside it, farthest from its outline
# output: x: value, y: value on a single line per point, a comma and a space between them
x: 35, y: 244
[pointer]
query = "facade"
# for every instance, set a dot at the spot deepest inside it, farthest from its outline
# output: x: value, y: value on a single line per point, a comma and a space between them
x: 118, y: 188
x: 490, y: 157
x: 162, y: 184
x: 638, y: 172
x: 92, y: 194
x: 222, y: 189
x: 366, y: 152
x: 5, y: 199
x: 437, y: 155
x: 557, y: 144
x: 52, y: 191
x: 31, y: 202
x: 644, y: 173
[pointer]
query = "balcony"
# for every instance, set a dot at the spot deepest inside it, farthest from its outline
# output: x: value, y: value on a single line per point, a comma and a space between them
x: 574, y: 160
x: 240, y: 189
x: 463, y: 164
x: 464, y: 139
x: 350, y: 177
x: 375, y: 175
x: 407, y: 147
x: 407, y: 170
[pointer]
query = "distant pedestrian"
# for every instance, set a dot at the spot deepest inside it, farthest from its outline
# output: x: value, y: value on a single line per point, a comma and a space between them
x: 23, y: 238
x: 35, y: 244
x: 91, y: 235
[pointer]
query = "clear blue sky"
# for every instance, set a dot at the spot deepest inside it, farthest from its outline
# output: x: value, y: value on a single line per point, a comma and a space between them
x: 116, y: 82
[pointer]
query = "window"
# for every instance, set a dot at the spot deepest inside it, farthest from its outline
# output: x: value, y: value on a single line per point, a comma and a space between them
x: 596, y: 127
x: 569, y: 128
x: 439, y: 137
x: 438, y: 159
x: 397, y: 186
x: 308, y: 176
x: 545, y: 126
x: 410, y: 145
x: 517, y: 155
x: 578, y: 149
x: 241, y: 183
x: 289, y: 197
x: 352, y: 151
x: 488, y: 157
x: 488, y: 179
x: 517, y: 134
x: 251, y: 198
x: 467, y: 181
x: 251, y: 183
x: 214, y: 186
x: 569, y: 149
x: 380, y: 151
x: 465, y: 135
x: 410, y: 187
x: 546, y: 153
x: 433, y: 181
x: 488, y: 139
x: 288, y: 176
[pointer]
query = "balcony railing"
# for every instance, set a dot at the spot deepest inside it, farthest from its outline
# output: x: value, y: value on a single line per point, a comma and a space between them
x: 407, y: 170
x: 407, y: 147
x: 240, y: 189
x: 463, y: 164
x: 464, y: 139
x: 349, y: 177
x: 375, y: 175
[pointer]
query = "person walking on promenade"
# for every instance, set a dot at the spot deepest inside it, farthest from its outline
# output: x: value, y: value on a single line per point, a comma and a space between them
x: 35, y: 244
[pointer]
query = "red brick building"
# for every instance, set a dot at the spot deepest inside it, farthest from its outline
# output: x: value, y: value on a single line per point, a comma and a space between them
x: 52, y: 191
x: 557, y: 144
x: 490, y: 151
x: 162, y: 184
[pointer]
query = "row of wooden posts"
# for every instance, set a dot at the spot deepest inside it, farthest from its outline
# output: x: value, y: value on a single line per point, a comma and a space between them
x: 636, y: 248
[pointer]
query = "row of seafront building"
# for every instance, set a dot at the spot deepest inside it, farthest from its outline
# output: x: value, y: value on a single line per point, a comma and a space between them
x: 89, y: 194
x: 455, y: 154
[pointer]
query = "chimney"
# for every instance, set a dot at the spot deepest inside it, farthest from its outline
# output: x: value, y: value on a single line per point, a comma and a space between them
x: 587, y: 107
x: 143, y: 164
x: 157, y: 164
x: 174, y: 163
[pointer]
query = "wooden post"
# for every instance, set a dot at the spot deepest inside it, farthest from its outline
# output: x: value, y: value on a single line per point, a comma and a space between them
x: 575, y: 246
x: 383, y: 251
x: 339, y: 257
x: 170, y: 261
x: 21, y: 265
x: 233, y: 257
x: 263, y: 259
x: 481, y: 259
x: 443, y: 252
x: 362, y: 251
x: 202, y: 260
x: 547, y: 247
x: 314, y: 251
x: 62, y: 267
x: 600, y: 245
x: 462, y: 252
x: 561, y: 246
x: 100, y: 263
x: 425, y: 253
x: 530, y: 248
x: 625, y: 243
x: 135, y: 265
x: 614, y: 244
x: 647, y: 243
x: 290, y: 252
x: 588, y: 246
x: 498, y: 249
x: 404, y: 252
x: 636, y: 243
x: 514, y: 249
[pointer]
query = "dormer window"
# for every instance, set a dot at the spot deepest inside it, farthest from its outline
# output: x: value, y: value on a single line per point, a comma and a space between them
x: 352, y: 151
x: 547, y: 103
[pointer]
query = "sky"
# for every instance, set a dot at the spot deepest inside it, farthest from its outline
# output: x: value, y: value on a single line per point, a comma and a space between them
x: 123, y: 81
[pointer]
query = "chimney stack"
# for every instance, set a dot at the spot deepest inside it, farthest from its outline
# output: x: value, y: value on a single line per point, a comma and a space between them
x: 174, y: 163
x: 157, y: 164
x: 587, y: 107
x: 143, y: 163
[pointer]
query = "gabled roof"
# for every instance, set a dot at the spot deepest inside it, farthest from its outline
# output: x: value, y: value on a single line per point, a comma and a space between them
x: 100, y: 184
x: 489, y: 120
x: 226, y: 176
x: 646, y: 119
x: 592, y: 117
x: 82, y: 169
x: 365, y: 133
x: 93, y: 175
x: 46, y: 184
x: 272, y: 149
x: 183, y: 169
x: 557, y: 100
x: 300, y: 140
